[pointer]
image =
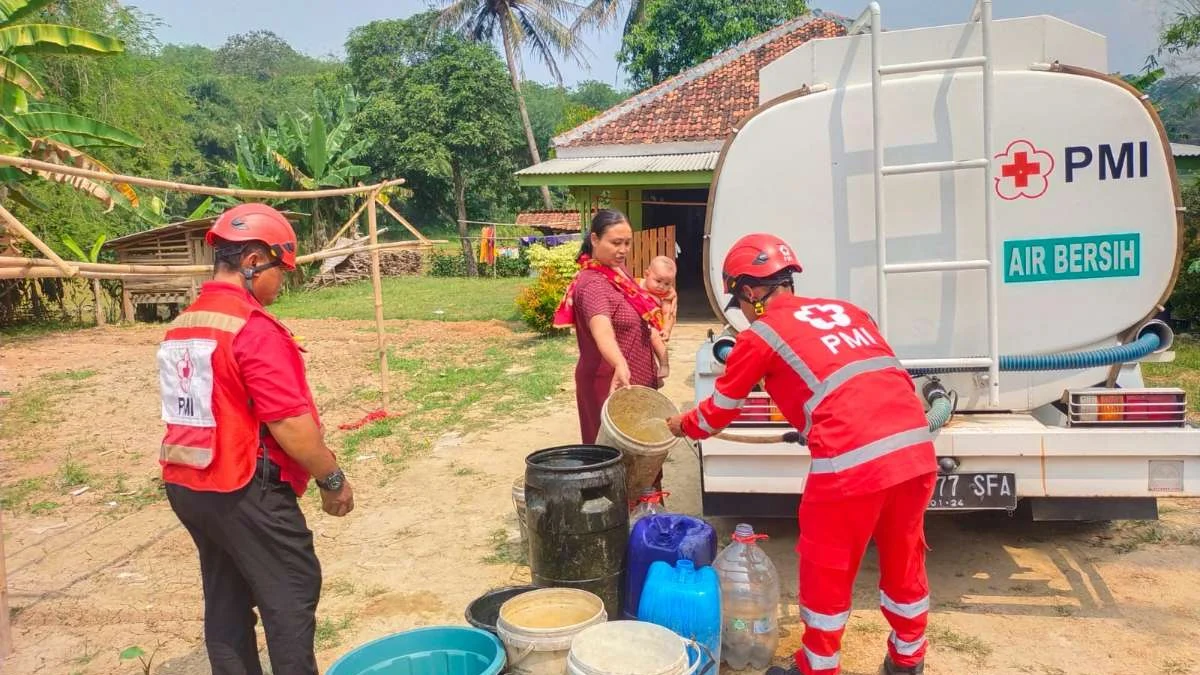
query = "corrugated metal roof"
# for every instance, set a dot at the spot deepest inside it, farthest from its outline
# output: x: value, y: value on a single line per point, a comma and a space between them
x: 698, y: 161
x: 1185, y: 150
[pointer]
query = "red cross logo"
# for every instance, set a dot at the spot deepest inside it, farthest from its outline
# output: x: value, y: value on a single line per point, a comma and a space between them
x: 824, y: 317
x: 1024, y: 171
x: 184, y: 368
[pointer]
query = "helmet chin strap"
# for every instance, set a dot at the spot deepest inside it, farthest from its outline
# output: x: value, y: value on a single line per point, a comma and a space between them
x: 760, y: 306
x: 248, y: 274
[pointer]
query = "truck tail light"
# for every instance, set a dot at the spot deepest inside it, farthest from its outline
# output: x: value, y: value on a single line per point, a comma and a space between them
x: 759, y: 409
x: 1127, y: 407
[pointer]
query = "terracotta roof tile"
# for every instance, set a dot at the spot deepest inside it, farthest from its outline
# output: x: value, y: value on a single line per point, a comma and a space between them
x: 704, y: 102
x: 564, y: 221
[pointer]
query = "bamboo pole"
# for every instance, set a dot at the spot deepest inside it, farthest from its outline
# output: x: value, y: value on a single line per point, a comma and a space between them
x: 11, y: 222
x: 350, y: 222
x: 403, y: 222
x: 5, y: 627
x: 376, y: 282
x: 116, y: 270
x: 25, y: 163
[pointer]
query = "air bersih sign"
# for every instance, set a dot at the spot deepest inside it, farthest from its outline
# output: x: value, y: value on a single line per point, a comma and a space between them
x: 1067, y: 258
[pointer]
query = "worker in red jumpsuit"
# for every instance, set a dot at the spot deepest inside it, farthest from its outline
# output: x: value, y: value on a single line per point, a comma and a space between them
x: 837, y: 381
x: 242, y: 440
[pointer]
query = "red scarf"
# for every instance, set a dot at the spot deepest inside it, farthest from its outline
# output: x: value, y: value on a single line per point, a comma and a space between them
x: 639, y: 298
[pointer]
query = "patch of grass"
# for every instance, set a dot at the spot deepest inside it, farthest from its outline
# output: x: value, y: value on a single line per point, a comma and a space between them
x: 947, y: 638
x: 374, y: 590
x: 1136, y: 534
x: 1175, y: 667
x: 339, y: 587
x: 408, y: 298
x: 18, y: 494
x: 504, y: 551
x: 28, y: 331
x: 463, y: 470
x: 329, y: 632
x: 1183, y: 372
x: 72, y: 375
x: 44, y: 507
x: 25, y: 409
x: 72, y: 473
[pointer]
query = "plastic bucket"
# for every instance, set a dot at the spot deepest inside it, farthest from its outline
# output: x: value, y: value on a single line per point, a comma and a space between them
x: 426, y: 651
x: 518, y: 497
x: 537, y: 628
x: 631, y: 648
x: 484, y: 610
x: 633, y: 421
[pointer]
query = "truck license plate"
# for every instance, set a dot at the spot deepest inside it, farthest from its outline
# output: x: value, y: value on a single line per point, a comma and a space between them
x: 974, y: 491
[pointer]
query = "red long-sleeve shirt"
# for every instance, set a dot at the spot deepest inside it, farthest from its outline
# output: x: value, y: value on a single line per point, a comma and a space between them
x: 837, y: 381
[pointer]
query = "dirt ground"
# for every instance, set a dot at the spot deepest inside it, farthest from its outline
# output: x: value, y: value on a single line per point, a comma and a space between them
x: 111, y: 567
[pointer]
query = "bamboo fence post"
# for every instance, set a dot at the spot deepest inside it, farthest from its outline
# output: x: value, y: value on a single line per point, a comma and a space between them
x: 5, y: 626
x: 345, y: 227
x: 405, y: 223
x: 37, y: 165
x: 11, y: 222
x: 377, y: 283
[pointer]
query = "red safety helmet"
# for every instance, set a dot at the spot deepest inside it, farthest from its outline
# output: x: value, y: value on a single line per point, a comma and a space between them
x: 757, y: 259
x: 261, y: 223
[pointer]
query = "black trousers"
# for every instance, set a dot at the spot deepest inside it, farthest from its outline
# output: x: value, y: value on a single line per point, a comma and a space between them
x: 255, y: 551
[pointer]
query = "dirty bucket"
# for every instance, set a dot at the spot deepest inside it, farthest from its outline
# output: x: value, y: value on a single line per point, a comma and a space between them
x: 633, y: 421
x: 537, y: 628
x: 518, y: 497
x: 631, y: 648
x: 426, y: 651
x: 484, y: 610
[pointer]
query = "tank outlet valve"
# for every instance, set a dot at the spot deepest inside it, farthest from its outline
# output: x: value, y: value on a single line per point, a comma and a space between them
x: 1159, y: 328
x: 722, y: 346
x: 934, y: 390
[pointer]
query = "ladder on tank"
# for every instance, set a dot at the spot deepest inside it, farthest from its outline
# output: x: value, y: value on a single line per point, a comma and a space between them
x: 981, y: 14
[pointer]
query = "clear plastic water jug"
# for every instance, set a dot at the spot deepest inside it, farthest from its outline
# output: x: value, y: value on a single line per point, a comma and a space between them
x: 649, y: 503
x: 749, y: 601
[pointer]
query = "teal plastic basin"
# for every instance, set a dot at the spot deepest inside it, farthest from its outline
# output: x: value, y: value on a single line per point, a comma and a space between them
x: 436, y: 650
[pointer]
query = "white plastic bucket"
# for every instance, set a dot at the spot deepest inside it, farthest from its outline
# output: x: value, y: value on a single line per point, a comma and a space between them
x: 633, y: 420
x: 537, y: 628
x: 631, y: 648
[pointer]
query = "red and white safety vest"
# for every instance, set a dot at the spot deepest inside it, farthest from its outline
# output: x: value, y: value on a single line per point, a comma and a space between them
x: 838, y: 382
x: 212, y: 441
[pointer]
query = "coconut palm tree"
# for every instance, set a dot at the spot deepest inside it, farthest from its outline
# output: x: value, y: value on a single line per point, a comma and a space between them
x: 601, y: 13
x: 535, y: 24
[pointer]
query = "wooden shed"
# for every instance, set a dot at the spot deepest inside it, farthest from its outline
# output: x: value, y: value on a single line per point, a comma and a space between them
x: 174, y: 244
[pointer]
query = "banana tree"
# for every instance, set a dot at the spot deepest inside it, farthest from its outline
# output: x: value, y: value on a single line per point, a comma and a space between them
x: 307, y: 150
x: 44, y: 132
x: 92, y: 255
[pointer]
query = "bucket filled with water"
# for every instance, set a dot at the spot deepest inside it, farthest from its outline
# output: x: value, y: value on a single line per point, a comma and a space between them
x: 538, y: 627
x: 634, y: 420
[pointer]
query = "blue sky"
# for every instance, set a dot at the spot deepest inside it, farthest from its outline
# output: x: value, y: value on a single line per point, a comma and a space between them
x: 320, y: 27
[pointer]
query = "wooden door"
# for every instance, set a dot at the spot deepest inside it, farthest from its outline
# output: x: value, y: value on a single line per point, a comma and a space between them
x: 649, y: 244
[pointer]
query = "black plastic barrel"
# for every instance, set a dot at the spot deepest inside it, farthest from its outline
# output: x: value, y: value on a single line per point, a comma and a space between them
x: 578, y: 520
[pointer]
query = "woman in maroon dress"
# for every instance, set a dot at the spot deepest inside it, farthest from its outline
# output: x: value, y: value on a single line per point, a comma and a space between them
x: 612, y: 317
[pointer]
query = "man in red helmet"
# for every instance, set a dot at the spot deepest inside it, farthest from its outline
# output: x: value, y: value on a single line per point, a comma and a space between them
x: 837, y: 381
x: 243, y: 438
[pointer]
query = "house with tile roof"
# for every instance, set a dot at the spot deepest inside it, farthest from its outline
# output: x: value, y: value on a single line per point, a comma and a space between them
x: 653, y: 155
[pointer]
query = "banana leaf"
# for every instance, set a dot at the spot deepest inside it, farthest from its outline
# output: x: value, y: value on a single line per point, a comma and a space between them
x: 14, y: 10
x: 41, y: 38
x: 44, y: 123
x: 16, y: 75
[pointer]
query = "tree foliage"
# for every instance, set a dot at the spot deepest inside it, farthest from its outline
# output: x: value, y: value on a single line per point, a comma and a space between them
x: 441, y: 114
x: 677, y: 34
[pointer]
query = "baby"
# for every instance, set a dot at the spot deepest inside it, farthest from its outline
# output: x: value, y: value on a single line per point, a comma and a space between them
x: 660, y: 282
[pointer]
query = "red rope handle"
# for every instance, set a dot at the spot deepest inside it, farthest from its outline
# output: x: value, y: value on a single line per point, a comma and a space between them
x: 751, y: 539
x: 654, y: 498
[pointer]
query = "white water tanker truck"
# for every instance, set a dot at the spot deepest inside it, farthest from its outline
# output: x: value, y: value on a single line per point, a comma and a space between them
x: 1011, y: 217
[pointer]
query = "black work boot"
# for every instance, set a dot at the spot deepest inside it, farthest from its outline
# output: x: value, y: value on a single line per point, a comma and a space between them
x: 780, y: 670
x: 889, y: 668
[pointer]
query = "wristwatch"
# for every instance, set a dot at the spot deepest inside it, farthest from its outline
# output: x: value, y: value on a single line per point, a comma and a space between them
x: 333, y: 482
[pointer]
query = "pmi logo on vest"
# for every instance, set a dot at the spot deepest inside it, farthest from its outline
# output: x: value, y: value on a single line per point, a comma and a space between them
x: 829, y: 316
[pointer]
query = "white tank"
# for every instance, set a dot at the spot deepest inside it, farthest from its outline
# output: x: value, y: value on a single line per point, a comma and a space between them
x: 1085, y: 209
